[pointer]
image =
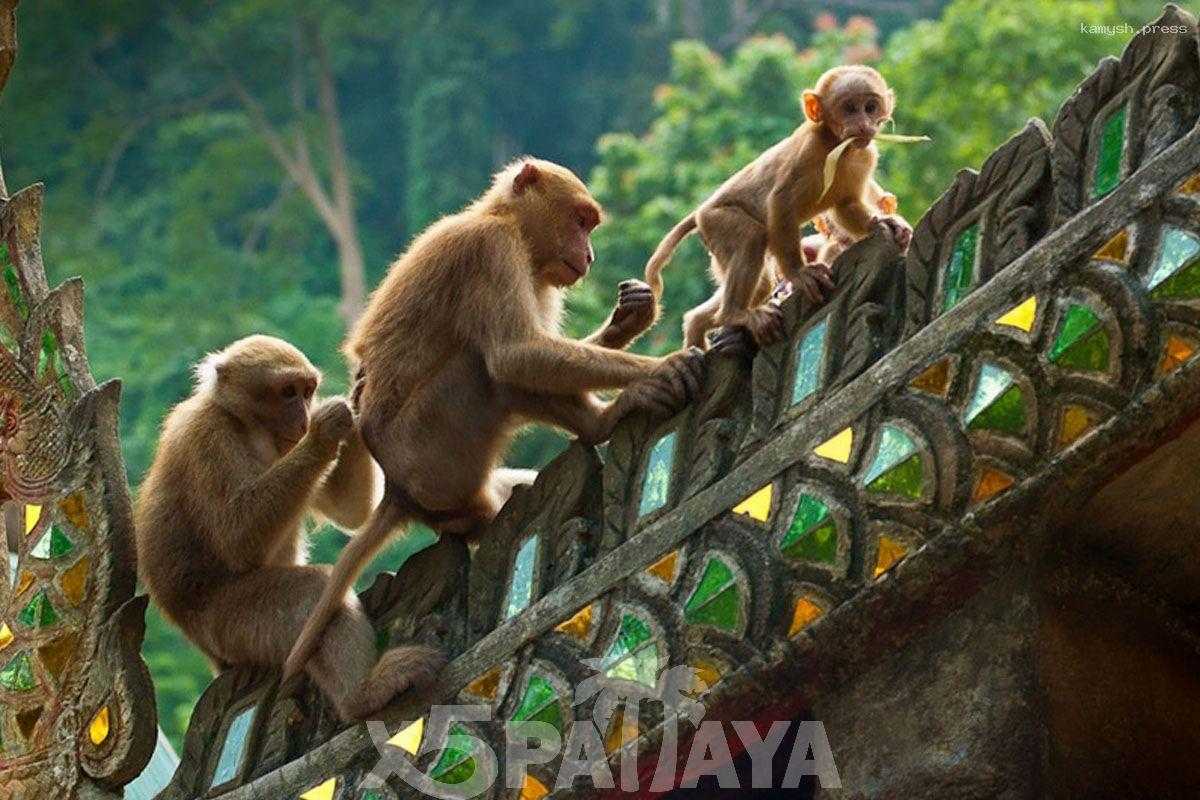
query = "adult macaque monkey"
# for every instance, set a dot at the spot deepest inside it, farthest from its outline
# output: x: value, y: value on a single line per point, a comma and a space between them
x: 460, y: 346
x: 759, y: 211
x: 219, y: 523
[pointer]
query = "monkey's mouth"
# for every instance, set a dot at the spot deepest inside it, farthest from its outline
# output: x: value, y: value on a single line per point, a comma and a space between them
x: 578, y: 271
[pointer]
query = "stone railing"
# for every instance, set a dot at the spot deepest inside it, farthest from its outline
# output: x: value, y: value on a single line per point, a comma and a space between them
x: 77, y: 712
x: 820, y: 501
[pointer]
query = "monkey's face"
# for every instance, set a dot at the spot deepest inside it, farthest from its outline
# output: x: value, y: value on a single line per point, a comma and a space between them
x: 857, y: 116
x: 285, y: 401
x: 558, y: 216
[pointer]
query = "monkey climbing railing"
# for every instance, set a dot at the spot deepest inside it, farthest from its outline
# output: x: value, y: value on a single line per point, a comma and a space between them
x: 781, y: 529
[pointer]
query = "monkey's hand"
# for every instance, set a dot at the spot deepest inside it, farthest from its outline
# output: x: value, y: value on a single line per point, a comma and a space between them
x: 814, y: 279
x: 896, y: 227
x: 674, y: 382
x: 332, y: 423
x: 634, y: 313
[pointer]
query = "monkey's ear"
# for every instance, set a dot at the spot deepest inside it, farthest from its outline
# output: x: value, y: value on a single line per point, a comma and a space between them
x: 812, y: 105
x: 525, y: 178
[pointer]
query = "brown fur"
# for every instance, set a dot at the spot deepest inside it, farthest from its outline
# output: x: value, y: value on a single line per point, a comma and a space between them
x: 219, y: 522
x: 460, y: 346
x: 758, y: 212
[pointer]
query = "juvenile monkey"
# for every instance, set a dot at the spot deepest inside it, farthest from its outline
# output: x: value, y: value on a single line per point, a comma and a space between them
x: 219, y: 523
x: 760, y: 209
x: 460, y: 346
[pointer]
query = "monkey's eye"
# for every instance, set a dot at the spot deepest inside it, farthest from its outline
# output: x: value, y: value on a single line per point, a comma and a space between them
x: 287, y: 392
x: 308, y: 392
x: 871, y: 107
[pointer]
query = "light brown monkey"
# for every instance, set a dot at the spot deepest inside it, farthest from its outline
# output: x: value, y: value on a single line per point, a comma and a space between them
x: 758, y: 212
x: 219, y: 523
x: 460, y: 346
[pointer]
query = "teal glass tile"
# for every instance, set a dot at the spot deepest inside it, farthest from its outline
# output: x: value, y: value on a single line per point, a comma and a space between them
x: 1178, y: 249
x: 520, y: 590
x: 810, y: 362
x: 894, y: 446
x: 233, y: 750
x: 656, y: 485
x: 992, y: 382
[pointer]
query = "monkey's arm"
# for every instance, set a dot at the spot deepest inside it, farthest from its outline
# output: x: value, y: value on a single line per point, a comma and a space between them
x: 855, y: 216
x: 550, y: 365
x: 347, y: 494
x: 632, y: 316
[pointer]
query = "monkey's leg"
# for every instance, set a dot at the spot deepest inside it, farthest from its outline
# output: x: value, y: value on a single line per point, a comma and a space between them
x: 700, y: 320
x: 738, y: 243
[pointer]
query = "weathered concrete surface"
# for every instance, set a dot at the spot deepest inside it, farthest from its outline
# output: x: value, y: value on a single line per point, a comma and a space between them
x: 955, y: 714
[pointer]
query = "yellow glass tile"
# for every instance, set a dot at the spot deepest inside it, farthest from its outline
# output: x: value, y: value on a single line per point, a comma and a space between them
x: 989, y: 484
x: 1191, y: 185
x: 486, y: 685
x: 32, y: 515
x: 75, y: 511
x: 533, y: 789
x: 804, y: 614
x: 705, y: 675
x: 890, y: 551
x: 409, y: 737
x: 935, y: 379
x: 579, y: 625
x: 23, y: 583
x: 838, y: 448
x: 1075, y: 422
x: 322, y: 792
x: 1021, y: 316
x: 620, y: 732
x: 57, y: 654
x: 98, y: 728
x: 6, y: 635
x: 1115, y: 249
x: 664, y: 569
x: 73, y: 581
x: 758, y: 505
x: 1176, y: 352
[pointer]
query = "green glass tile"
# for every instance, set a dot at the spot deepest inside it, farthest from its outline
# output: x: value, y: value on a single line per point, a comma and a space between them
x: 960, y: 272
x: 992, y: 382
x: 1089, y: 353
x: 540, y: 704
x: 17, y: 675
x: 371, y: 794
x: 1183, y: 285
x: 456, y: 763
x: 53, y: 544
x: 810, y: 362
x: 48, y: 355
x: 716, y: 600
x: 13, y: 283
x: 520, y: 591
x: 630, y: 656
x: 1179, y: 249
x: 1077, y: 322
x: 722, y: 611
x: 38, y: 612
x: 656, y: 485
x: 818, y: 544
x: 7, y: 340
x: 1108, y: 160
x: 641, y: 667
x: 906, y: 479
x: 717, y: 576
x: 894, y: 446
x: 1007, y: 414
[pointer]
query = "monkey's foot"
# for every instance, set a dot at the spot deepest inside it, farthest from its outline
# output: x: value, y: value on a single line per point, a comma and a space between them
x: 764, y: 323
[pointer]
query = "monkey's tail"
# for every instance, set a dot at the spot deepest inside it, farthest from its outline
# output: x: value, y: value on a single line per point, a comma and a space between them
x: 662, y: 254
x: 350, y: 563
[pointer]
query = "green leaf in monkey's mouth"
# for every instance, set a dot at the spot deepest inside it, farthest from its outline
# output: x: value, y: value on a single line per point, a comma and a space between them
x: 831, y: 160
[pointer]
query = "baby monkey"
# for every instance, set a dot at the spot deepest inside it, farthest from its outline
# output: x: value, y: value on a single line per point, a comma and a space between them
x: 759, y: 211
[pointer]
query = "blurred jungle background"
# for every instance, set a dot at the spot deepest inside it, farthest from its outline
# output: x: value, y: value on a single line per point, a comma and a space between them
x: 221, y: 168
